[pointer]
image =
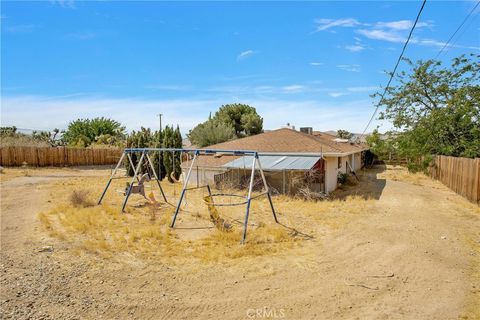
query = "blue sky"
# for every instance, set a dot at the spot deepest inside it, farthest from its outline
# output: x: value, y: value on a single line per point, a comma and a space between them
x: 307, y: 63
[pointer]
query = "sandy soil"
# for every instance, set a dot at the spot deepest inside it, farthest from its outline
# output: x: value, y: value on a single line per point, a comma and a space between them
x: 413, y: 254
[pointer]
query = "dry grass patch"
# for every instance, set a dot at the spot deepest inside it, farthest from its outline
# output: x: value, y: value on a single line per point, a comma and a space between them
x: 103, y: 229
x: 144, y: 230
x: 399, y: 173
x: 262, y: 240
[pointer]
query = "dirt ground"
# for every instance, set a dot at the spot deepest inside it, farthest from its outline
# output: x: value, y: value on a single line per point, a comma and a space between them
x: 405, y: 248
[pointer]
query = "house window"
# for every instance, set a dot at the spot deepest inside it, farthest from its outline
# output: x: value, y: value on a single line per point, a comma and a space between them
x: 339, y: 162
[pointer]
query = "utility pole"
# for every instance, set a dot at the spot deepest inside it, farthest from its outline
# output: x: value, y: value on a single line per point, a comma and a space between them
x: 160, y: 158
x: 160, y: 117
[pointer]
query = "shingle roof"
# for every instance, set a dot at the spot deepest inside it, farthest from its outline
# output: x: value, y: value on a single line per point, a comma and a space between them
x: 281, y: 140
x: 287, y: 140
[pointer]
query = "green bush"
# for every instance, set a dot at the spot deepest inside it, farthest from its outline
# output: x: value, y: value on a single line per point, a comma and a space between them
x: 342, y: 177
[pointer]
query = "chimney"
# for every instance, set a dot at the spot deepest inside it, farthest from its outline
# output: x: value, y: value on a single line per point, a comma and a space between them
x: 307, y: 130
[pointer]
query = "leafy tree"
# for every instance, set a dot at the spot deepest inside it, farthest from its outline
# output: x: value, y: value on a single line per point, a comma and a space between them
x: 211, y: 132
x: 84, y: 132
x: 344, y: 134
x: 242, y: 117
x: 171, y: 160
x: 137, y: 139
x: 435, y: 110
x: 383, y: 146
x: 229, y: 122
x: 157, y: 158
x: 162, y: 161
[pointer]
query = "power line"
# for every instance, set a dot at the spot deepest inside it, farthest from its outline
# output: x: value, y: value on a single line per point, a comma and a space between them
x: 394, y: 69
x: 458, y: 29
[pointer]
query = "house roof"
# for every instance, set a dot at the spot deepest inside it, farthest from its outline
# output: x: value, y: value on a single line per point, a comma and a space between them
x: 281, y: 141
x: 290, y: 141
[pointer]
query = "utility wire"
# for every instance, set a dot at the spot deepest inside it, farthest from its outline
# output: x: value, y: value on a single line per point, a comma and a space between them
x: 394, y: 69
x: 458, y: 29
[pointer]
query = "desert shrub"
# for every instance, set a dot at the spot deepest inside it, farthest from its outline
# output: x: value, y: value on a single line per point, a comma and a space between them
x: 79, y: 198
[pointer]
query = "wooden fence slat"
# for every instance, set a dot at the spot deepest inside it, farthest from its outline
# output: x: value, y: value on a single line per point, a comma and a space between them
x: 61, y: 156
x: 462, y: 175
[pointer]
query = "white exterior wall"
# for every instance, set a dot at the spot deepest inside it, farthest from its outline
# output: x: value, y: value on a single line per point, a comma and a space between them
x: 344, y: 167
x: 358, y: 161
x: 205, y: 175
x: 331, y: 172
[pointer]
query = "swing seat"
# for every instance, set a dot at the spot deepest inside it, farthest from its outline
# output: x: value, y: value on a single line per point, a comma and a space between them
x: 140, y: 187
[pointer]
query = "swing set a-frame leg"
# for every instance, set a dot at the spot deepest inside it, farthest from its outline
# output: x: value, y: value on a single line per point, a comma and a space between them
x: 111, y: 178
x: 267, y: 189
x: 135, y: 176
x: 249, y: 200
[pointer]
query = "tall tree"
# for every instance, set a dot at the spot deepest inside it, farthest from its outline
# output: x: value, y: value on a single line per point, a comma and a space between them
x: 84, y: 132
x: 157, y: 157
x: 137, y: 139
x: 436, y: 109
x: 211, y: 132
x: 244, y: 118
x: 229, y: 122
x: 172, y: 160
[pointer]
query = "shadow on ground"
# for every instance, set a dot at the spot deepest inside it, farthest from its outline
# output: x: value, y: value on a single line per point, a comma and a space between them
x: 368, y: 185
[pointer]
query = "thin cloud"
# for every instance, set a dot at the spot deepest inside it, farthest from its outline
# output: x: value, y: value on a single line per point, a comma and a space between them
x: 324, y: 24
x: 390, y: 31
x: 440, y: 44
x: 355, y: 48
x: 21, y: 28
x: 68, y: 4
x: 293, y: 88
x: 401, y: 25
x: 349, y: 67
x: 316, y: 64
x: 390, y: 36
x: 246, y: 54
x: 337, y: 94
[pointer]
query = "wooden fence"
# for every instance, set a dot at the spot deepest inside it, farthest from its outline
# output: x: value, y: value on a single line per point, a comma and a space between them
x: 61, y: 156
x: 462, y: 175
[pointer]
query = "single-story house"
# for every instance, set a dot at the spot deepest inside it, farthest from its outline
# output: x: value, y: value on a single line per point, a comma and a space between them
x: 289, y: 158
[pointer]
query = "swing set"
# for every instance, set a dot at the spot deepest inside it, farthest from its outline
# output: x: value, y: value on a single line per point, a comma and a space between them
x: 137, y: 183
